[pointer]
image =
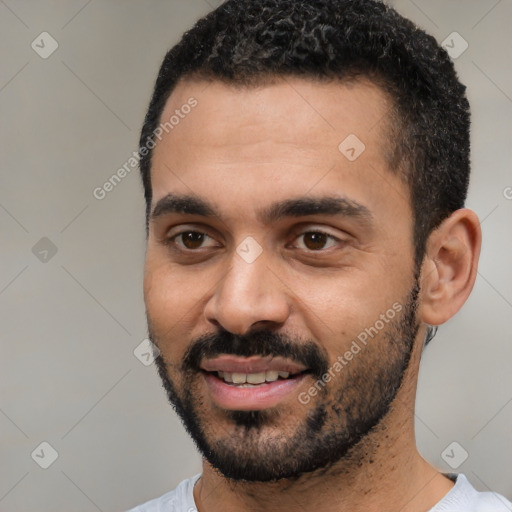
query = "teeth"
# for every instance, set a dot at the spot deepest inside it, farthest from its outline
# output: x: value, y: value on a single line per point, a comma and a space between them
x: 271, y: 375
x: 256, y: 378
x: 253, y: 378
x: 226, y: 376
x: 239, y: 378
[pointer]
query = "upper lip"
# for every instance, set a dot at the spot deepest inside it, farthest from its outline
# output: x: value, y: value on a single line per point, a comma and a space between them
x: 253, y: 364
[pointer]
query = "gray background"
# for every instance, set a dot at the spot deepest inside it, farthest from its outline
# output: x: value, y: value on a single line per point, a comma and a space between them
x: 72, y: 320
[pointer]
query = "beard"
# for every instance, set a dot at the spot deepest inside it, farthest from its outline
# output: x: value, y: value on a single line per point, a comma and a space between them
x: 286, y: 442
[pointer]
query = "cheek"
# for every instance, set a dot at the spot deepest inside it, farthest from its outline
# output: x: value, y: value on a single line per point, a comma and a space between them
x: 171, y: 300
x: 338, y: 309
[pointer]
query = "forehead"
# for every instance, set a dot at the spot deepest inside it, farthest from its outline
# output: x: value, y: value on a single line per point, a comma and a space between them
x: 299, y: 110
x: 284, y: 138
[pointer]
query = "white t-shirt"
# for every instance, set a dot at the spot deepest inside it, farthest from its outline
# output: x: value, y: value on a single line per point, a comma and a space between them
x: 462, y: 497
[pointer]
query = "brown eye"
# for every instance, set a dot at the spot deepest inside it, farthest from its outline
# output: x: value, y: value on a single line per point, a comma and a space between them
x: 316, y: 240
x: 189, y: 239
x: 192, y: 239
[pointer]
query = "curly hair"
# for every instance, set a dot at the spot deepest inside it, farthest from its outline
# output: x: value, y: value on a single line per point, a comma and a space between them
x: 249, y: 42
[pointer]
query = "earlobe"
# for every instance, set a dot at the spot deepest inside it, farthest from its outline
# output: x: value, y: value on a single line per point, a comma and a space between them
x: 449, y: 267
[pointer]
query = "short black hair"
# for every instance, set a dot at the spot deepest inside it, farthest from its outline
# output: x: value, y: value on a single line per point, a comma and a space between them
x: 248, y: 42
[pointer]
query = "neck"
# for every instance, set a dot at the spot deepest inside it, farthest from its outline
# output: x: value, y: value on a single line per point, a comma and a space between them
x: 383, y: 472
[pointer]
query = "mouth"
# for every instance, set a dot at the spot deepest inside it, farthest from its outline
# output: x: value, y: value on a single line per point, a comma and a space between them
x: 249, y: 380
x: 253, y: 383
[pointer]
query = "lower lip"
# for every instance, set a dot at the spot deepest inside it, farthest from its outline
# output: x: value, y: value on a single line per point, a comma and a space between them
x: 260, y: 396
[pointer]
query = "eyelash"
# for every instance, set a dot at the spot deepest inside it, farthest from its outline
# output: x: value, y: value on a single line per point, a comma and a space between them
x: 171, y: 240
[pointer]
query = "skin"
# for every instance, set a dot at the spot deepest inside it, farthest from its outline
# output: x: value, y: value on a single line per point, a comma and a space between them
x: 243, y: 149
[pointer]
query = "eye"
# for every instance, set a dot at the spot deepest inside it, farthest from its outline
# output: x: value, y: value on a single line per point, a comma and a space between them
x: 316, y: 240
x: 190, y: 240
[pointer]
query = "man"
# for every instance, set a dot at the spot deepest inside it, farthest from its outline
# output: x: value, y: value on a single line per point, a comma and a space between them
x: 305, y: 166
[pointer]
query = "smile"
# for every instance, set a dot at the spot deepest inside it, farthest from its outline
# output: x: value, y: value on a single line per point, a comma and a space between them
x: 252, y: 378
x: 253, y: 383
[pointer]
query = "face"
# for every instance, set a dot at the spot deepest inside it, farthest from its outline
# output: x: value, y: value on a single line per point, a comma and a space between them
x: 279, y: 283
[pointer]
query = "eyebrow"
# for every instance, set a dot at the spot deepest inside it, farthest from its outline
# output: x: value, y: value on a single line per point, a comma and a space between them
x: 296, y: 207
x: 187, y: 204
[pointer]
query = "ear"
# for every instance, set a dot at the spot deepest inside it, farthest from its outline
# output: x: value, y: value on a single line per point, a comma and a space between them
x: 449, y: 267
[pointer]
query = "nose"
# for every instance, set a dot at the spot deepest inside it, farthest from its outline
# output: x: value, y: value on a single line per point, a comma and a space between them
x: 248, y: 296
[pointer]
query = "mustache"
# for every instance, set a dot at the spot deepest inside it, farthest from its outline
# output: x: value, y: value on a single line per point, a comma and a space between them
x: 262, y: 343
